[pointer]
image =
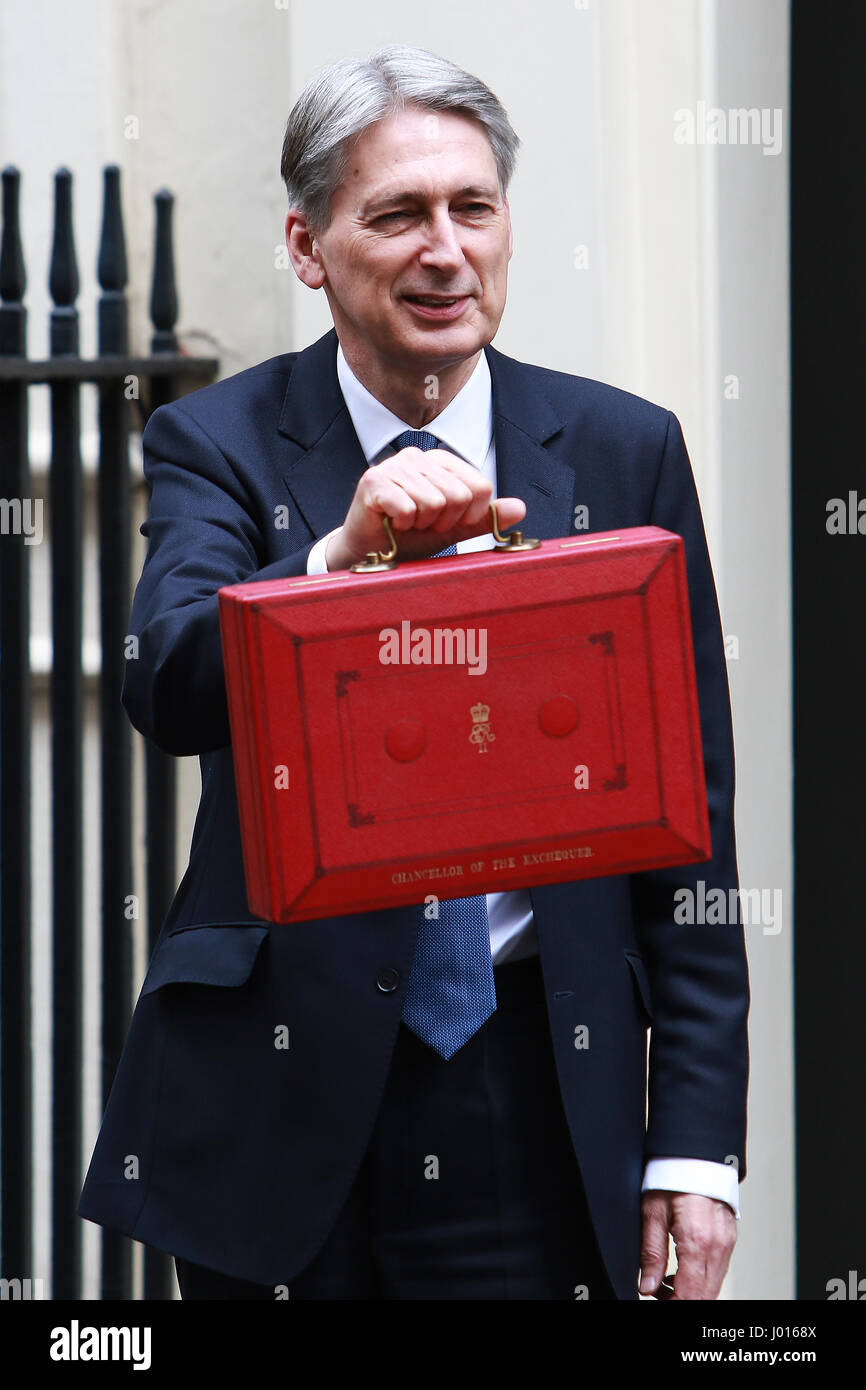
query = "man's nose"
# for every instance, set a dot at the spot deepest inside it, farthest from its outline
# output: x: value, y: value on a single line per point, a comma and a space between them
x: 442, y: 248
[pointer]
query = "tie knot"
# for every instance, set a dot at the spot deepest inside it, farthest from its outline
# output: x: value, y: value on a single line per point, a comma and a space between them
x: 416, y: 439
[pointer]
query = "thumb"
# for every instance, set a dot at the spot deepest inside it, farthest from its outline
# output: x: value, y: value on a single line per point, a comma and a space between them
x: 654, y: 1243
x: 509, y: 510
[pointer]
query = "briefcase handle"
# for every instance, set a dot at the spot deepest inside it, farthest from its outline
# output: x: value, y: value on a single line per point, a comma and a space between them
x: 510, y: 542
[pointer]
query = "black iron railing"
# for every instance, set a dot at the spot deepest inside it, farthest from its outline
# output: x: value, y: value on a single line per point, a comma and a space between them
x: 129, y: 387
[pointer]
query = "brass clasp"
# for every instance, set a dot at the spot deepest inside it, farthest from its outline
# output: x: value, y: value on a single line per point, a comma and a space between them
x: 387, y: 559
x: 379, y: 559
x: 513, y: 540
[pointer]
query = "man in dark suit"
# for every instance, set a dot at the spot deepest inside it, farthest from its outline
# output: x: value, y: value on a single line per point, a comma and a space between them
x: 435, y: 1128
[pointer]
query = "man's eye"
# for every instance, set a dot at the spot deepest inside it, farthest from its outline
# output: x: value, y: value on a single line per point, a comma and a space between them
x: 474, y: 207
x: 392, y: 216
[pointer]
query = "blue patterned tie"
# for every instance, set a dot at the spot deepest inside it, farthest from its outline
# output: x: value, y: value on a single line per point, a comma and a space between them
x: 451, y: 991
x: 416, y: 439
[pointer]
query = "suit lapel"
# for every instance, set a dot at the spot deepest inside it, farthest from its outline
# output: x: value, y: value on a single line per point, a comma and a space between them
x: 327, y: 460
x: 523, y: 422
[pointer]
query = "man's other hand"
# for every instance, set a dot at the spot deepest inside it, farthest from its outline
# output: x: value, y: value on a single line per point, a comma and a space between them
x: 434, y: 500
x: 704, y: 1231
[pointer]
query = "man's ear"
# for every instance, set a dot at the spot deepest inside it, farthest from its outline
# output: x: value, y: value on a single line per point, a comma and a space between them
x: 510, y: 234
x: 304, y: 250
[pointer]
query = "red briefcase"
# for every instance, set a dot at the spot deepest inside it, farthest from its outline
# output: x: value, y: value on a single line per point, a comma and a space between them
x: 465, y: 724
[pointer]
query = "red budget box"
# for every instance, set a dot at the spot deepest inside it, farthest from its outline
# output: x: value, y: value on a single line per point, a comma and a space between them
x: 466, y: 724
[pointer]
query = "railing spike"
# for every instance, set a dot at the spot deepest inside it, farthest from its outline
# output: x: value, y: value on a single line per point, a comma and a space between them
x: 63, y: 276
x: 13, y: 278
x: 111, y: 266
x: 113, y: 331
x: 163, y: 298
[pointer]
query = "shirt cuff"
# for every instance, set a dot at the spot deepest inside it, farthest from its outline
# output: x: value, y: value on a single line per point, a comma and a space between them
x: 316, y: 562
x: 699, y: 1175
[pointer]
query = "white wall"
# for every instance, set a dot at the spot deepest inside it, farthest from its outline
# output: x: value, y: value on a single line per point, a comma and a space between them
x: 685, y: 283
x: 752, y: 488
x: 697, y: 290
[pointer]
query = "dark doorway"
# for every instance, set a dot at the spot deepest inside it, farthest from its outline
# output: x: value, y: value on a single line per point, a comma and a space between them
x: 828, y: 296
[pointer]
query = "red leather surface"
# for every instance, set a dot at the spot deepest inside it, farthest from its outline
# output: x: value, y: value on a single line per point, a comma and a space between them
x: 372, y: 770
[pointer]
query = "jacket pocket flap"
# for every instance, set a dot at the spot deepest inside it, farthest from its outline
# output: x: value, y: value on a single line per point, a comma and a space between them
x: 641, y: 979
x: 209, y: 955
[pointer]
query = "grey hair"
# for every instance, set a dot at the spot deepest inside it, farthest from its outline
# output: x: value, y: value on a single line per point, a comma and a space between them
x: 347, y: 97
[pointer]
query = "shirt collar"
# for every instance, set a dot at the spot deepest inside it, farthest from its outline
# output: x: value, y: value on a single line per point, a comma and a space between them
x: 465, y: 425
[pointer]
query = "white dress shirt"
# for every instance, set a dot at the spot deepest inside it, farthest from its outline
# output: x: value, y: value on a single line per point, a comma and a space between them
x: 465, y: 427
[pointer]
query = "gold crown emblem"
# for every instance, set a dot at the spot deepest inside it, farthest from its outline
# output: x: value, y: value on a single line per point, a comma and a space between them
x: 480, y: 714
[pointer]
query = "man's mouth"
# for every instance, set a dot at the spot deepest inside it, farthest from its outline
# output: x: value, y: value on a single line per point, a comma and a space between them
x: 437, y: 305
x: 436, y: 298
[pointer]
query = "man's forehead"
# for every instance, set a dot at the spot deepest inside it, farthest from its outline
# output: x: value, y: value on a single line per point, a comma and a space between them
x: 412, y: 125
x: 398, y: 158
x: 412, y: 138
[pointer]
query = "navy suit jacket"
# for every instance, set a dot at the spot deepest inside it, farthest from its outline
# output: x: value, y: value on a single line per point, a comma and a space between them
x: 247, y: 1152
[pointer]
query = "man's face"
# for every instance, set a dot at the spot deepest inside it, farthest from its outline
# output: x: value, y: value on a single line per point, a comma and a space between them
x: 416, y: 255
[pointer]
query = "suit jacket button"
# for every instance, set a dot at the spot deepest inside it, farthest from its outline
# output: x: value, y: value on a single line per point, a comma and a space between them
x: 387, y: 980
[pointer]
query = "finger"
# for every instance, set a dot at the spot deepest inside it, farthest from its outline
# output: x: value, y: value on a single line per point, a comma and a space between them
x: 442, y: 458
x: 654, y: 1243
x: 476, y: 520
x: 481, y: 489
x: 704, y: 1239
x: 388, y: 499
x: 441, y: 496
x: 363, y: 528
x: 413, y: 501
x: 690, y: 1280
x: 509, y: 510
x: 419, y: 499
x: 422, y: 460
x: 453, y: 496
x: 458, y: 481
x: 466, y: 492
x: 440, y: 466
x: 723, y: 1240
